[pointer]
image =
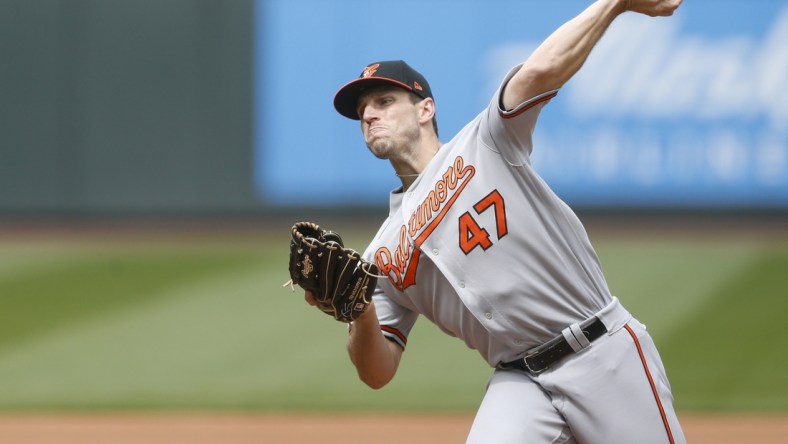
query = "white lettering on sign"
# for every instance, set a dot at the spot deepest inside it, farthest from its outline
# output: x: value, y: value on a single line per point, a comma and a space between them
x: 646, y: 68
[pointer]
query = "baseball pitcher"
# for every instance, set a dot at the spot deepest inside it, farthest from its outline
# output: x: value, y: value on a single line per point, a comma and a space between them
x: 476, y: 242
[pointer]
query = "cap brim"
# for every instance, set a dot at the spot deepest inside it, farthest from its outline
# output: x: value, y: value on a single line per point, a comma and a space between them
x: 346, y: 99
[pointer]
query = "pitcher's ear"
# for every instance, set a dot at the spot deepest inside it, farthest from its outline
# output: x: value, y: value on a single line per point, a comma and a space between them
x: 426, y: 110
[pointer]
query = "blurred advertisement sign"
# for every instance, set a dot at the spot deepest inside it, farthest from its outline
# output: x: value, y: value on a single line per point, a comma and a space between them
x: 687, y: 111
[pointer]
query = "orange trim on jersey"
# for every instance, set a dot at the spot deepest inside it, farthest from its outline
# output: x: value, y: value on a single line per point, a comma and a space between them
x: 527, y: 107
x: 395, y: 332
x: 651, y: 382
x: 410, y: 272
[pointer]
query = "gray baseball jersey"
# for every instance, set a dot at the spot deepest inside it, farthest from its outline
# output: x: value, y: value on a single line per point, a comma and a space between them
x: 482, y: 247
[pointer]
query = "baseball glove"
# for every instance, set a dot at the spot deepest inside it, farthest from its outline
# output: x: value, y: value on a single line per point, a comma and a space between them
x: 341, y: 281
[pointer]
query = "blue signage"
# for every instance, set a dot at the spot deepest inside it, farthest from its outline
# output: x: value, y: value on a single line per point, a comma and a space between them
x: 686, y: 111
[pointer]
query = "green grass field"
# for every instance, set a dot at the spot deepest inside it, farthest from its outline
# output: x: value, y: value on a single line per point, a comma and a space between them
x: 206, y: 324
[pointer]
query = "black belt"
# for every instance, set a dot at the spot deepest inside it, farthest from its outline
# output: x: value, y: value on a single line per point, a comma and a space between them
x: 552, y: 351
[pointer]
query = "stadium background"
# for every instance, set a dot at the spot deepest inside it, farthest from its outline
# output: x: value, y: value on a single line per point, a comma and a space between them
x: 149, y: 175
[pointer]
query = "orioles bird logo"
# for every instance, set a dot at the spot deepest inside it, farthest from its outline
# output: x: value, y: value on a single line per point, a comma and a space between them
x: 369, y: 71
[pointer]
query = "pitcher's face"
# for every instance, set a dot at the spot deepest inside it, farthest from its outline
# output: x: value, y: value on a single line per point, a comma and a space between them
x: 389, y: 121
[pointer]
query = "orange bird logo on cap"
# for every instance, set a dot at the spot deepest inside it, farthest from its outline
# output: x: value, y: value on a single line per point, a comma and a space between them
x: 369, y: 71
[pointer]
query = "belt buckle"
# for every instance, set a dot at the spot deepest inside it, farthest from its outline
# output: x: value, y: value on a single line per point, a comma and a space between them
x: 530, y: 355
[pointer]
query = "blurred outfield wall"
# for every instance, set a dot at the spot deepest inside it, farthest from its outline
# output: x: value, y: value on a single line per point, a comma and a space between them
x: 191, y: 107
x: 125, y: 107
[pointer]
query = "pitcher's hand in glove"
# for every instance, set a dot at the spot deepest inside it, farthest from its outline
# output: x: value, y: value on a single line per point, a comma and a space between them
x: 339, y: 279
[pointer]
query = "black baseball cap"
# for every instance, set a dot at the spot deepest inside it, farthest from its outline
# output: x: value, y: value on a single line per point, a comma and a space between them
x: 390, y: 72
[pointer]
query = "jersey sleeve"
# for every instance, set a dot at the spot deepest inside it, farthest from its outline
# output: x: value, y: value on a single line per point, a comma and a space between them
x: 396, y: 321
x: 510, y: 132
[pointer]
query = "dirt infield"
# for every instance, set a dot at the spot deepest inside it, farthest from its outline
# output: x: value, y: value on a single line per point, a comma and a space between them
x: 207, y: 428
